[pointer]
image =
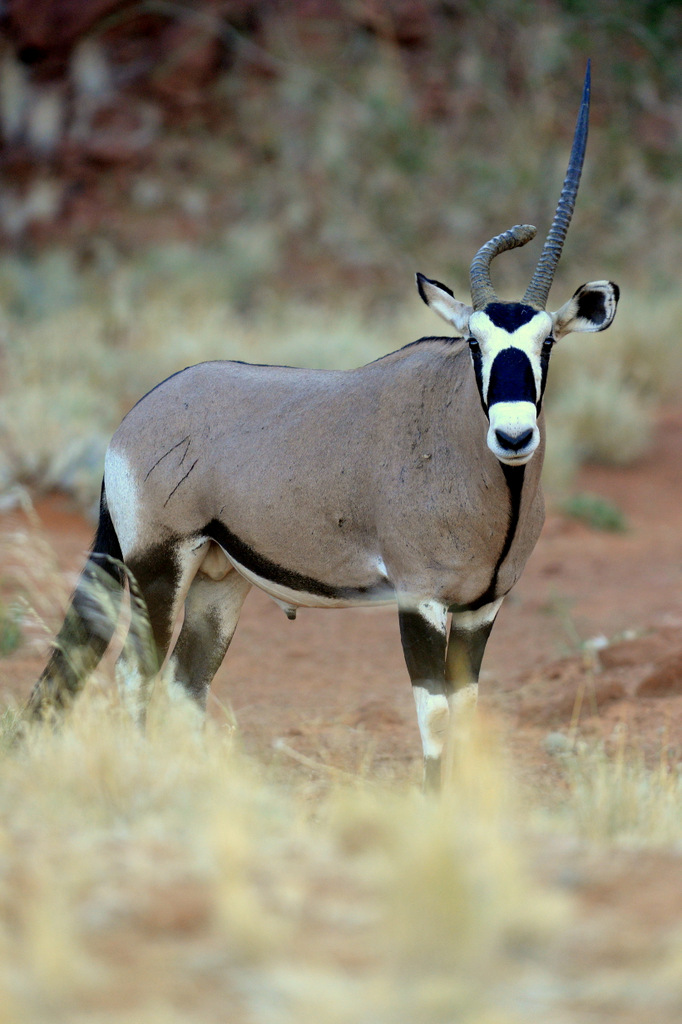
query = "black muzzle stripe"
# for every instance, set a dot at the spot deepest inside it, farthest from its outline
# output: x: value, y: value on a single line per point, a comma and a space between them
x: 511, y: 378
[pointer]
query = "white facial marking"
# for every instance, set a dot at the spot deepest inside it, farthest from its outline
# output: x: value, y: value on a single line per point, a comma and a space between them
x: 432, y: 716
x: 512, y: 418
x: 493, y: 340
x: 515, y: 420
x: 122, y: 499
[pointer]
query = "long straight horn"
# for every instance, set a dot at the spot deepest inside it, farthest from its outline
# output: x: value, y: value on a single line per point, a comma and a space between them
x: 538, y: 289
x: 482, y: 291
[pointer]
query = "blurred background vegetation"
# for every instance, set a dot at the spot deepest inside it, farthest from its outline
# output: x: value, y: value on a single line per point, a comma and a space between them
x: 260, y: 180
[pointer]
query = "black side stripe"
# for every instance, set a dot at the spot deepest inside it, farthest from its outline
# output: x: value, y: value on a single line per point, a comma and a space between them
x: 270, y: 571
x: 514, y: 476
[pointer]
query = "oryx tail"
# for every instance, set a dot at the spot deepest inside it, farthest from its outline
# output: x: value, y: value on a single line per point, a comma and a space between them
x: 89, y: 623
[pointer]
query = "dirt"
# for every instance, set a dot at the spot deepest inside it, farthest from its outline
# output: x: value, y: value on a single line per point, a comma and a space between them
x: 591, y: 639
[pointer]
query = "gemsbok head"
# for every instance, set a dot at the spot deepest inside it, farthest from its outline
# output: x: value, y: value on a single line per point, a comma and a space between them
x: 414, y: 480
x: 511, y: 342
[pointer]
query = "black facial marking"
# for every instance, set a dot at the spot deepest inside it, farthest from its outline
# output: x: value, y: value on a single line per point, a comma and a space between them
x: 544, y: 367
x: 509, y: 315
x: 424, y: 650
x: 478, y: 371
x: 592, y: 306
x: 511, y: 378
x: 268, y: 570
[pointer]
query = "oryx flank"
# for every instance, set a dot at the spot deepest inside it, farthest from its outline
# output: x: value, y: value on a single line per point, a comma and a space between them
x: 413, y: 480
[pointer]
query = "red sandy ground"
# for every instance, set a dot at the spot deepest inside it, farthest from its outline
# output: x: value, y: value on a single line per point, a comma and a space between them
x: 334, y: 686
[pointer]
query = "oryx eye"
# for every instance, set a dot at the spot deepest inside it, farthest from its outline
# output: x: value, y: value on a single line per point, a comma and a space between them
x: 547, y: 343
x: 473, y: 345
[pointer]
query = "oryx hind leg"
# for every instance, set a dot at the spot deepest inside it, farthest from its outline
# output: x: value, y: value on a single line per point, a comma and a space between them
x: 423, y: 629
x: 160, y: 579
x: 212, y: 609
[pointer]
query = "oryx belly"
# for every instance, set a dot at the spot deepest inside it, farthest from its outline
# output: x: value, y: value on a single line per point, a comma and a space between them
x: 288, y: 597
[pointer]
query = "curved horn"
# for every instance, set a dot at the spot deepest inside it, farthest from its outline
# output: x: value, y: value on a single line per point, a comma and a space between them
x: 482, y: 290
x: 538, y: 289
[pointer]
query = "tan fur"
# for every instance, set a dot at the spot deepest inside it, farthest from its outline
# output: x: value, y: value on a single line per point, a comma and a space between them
x: 326, y: 472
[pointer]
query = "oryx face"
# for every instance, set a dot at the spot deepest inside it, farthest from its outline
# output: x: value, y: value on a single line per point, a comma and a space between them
x: 510, y: 344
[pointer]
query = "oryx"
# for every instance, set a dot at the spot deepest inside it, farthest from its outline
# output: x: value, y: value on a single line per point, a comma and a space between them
x: 414, y: 479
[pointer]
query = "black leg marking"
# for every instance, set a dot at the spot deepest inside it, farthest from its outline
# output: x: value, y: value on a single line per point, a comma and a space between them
x: 157, y: 578
x: 424, y: 650
x: 465, y: 654
x: 211, y: 614
x: 199, y: 653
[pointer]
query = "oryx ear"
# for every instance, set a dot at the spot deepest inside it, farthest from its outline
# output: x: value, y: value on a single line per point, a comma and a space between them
x: 592, y: 308
x: 441, y: 300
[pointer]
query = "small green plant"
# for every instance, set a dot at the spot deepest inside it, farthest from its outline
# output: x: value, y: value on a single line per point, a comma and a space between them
x: 594, y: 511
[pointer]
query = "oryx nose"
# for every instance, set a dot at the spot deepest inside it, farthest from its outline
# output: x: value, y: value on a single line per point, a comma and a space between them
x: 513, y: 442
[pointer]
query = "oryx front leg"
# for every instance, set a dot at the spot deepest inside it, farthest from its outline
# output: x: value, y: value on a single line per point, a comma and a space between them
x: 423, y: 635
x: 469, y: 632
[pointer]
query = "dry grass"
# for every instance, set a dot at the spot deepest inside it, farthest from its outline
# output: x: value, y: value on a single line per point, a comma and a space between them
x: 165, y: 877
x: 615, y: 798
